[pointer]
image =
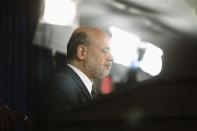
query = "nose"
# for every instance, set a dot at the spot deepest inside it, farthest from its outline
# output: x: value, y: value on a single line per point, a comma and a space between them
x: 110, y: 57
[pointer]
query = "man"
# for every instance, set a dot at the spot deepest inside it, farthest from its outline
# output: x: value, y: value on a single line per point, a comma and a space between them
x: 88, y: 56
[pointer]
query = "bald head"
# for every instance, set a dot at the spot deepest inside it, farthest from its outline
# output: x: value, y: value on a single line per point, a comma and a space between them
x: 88, y: 50
x: 82, y: 36
x: 87, y: 30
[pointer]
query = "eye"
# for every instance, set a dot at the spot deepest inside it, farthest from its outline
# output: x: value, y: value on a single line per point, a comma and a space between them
x: 105, y: 50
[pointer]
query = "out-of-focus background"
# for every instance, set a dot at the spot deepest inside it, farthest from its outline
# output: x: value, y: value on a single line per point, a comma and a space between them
x: 142, y: 31
x: 150, y: 38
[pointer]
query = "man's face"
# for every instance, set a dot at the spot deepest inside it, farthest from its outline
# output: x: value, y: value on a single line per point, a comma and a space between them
x: 99, y: 59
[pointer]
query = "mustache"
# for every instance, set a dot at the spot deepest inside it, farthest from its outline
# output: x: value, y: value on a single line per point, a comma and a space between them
x: 108, y: 64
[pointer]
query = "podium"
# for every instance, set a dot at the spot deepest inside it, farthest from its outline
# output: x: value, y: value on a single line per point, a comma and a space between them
x: 147, y: 106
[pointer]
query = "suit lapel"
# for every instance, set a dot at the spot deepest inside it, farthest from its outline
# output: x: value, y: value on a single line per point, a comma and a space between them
x: 79, y: 83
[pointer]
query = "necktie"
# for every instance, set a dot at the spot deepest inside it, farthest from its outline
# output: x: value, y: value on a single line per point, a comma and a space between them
x: 94, y: 94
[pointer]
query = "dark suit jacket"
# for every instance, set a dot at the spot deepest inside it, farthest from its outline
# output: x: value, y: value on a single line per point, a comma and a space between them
x: 66, y: 91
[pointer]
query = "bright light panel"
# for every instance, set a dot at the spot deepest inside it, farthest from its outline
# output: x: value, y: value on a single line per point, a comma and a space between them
x: 123, y: 46
x: 59, y: 12
x: 152, y: 61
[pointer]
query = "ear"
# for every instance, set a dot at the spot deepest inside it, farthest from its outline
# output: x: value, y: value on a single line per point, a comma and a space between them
x: 81, y: 52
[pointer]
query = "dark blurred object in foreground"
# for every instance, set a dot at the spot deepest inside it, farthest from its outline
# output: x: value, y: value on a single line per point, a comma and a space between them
x: 151, y: 105
x: 13, y: 120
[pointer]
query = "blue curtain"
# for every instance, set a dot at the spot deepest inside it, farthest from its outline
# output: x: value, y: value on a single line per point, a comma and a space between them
x: 17, y: 26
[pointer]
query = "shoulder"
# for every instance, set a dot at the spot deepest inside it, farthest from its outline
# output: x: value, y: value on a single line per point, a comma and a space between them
x: 65, y: 74
x: 62, y: 80
x: 61, y: 88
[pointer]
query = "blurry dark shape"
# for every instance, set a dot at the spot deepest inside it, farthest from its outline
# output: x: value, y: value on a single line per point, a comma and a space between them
x: 118, y: 74
x: 18, y: 23
x: 13, y: 120
x: 141, y: 52
x: 45, y: 66
x: 132, y: 76
x: 41, y: 69
x: 122, y: 75
x: 59, y: 61
x: 179, y: 59
x: 154, y: 104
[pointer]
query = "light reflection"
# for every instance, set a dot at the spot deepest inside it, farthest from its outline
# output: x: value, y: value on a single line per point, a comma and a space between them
x: 59, y: 12
x: 125, y: 47
x: 151, y: 61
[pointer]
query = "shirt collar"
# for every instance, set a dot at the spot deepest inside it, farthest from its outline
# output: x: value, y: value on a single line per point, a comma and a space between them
x: 88, y: 83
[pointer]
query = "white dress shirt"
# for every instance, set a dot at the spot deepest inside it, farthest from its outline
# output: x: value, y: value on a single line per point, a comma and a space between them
x: 88, y: 83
